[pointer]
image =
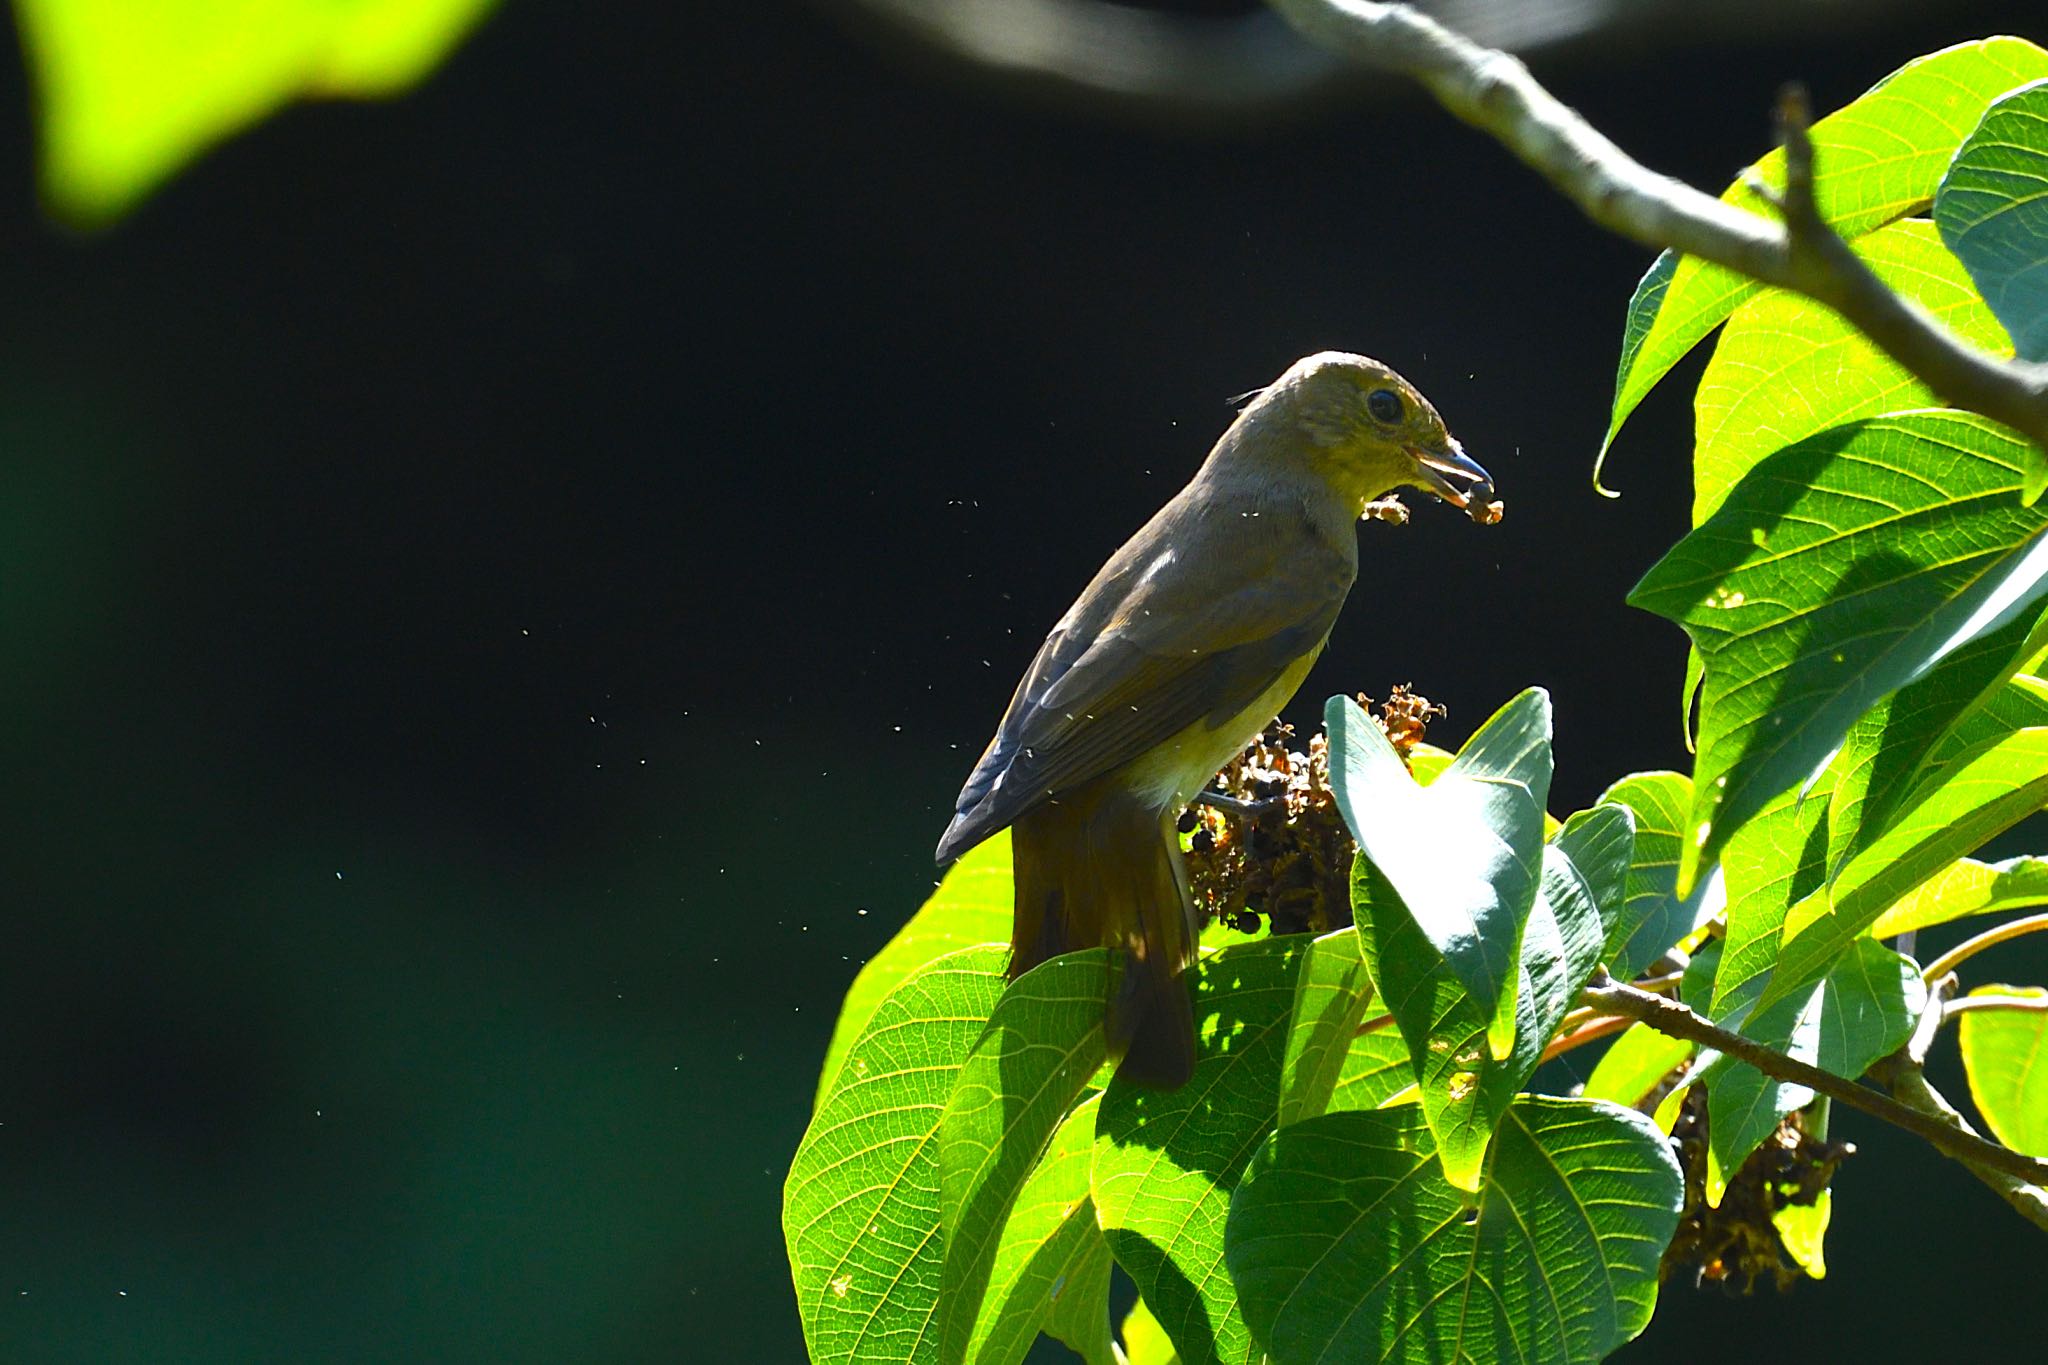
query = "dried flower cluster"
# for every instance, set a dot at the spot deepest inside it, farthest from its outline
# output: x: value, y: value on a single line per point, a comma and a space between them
x: 1283, y: 855
x: 1737, y: 1244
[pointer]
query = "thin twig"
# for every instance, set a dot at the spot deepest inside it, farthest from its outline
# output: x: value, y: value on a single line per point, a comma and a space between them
x: 2024, y: 1004
x: 1970, y: 947
x: 1496, y: 94
x: 1672, y: 1018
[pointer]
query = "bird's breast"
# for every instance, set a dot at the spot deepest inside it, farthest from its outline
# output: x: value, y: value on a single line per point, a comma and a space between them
x: 1166, y: 777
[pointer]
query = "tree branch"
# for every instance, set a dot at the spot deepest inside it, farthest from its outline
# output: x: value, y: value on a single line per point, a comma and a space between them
x: 1496, y: 94
x: 1970, y: 947
x: 1670, y: 1017
x: 1902, y: 1075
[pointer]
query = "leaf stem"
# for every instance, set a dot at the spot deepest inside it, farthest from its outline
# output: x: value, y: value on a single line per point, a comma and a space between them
x: 1673, y: 1018
x: 1970, y: 947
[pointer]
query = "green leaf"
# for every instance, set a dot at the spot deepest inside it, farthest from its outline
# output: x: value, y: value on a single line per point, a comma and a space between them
x: 1963, y: 888
x: 129, y: 90
x: 972, y: 906
x: 1376, y: 1069
x: 1165, y: 1163
x: 1786, y: 367
x: 1639, y: 1061
x: 1891, y: 747
x: 1599, y: 844
x: 1880, y: 158
x: 1042, y: 1044
x: 1840, y: 570
x: 1463, y: 1088
x: 1330, y: 998
x: 860, y: 1211
x: 1864, y: 1009
x: 1803, y: 1229
x: 1773, y: 862
x: 1465, y: 852
x: 1052, y: 1260
x: 1145, y: 1341
x: 1985, y: 790
x: 1992, y: 208
x: 1346, y: 1243
x: 2005, y: 1055
x: 1652, y: 917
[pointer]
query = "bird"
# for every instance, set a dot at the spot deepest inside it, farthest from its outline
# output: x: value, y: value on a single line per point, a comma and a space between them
x: 1183, y: 647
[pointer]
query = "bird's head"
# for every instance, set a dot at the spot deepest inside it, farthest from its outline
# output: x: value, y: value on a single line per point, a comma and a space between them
x: 1366, y: 431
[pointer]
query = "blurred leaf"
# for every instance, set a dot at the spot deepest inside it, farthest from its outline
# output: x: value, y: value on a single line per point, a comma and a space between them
x: 1330, y: 997
x: 1786, y: 367
x: 1864, y: 1009
x: 1984, y: 791
x: 1652, y: 918
x: 1966, y: 887
x: 1051, y: 1270
x: 1166, y: 1162
x: 130, y: 90
x: 1840, y: 570
x: 1992, y: 208
x: 1346, y: 1243
x: 1803, y: 1229
x: 1032, y: 1061
x: 972, y: 906
x: 860, y: 1210
x: 2005, y: 1055
x: 1465, y: 852
x: 1880, y: 158
x: 1639, y: 1060
x: 1145, y: 1341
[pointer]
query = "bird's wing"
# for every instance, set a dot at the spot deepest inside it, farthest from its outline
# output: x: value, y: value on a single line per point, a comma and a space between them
x: 1164, y: 656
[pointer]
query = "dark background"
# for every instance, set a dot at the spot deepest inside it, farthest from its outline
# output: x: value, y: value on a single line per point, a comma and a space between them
x: 501, y: 588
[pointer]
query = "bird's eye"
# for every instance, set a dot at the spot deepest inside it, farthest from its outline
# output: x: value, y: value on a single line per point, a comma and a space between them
x: 1384, y: 405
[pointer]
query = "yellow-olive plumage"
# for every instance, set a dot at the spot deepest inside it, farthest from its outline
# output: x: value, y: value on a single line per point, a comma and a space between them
x: 1186, y: 643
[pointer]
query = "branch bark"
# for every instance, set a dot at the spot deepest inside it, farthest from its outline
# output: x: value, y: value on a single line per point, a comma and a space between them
x: 1670, y: 1017
x: 1495, y: 93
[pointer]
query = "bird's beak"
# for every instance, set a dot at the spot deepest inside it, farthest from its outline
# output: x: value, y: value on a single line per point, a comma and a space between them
x: 1452, y: 475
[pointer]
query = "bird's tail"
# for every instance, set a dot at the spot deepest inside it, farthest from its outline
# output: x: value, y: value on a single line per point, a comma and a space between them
x: 1097, y: 867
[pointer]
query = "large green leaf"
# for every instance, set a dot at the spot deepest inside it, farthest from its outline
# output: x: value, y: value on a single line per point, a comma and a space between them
x: 1992, y: 207
x: 1041, y: 1046
x: 129, y: 90
x: 1888, y: 751
x: 1880, y: 158
x: 1051, y: 1271
x: 1987, y: 789
x: 1376, y: 1069
x: 1346, y: 1243
x: 1463, y: 1088
x: 1652, y: 918
x: 860, y: 1210
x: 971, y: 906
x: 1330, y: 998
x: 1864, y: 1009
x: 1635, y: 1065
x: 1165, y: 1163
x: 1773, y: 862
x: 1787, y: 367
x: 1464, y: 853
x: 1840, y: 570
x: 2005, y: 1053
x: 1963, y: 888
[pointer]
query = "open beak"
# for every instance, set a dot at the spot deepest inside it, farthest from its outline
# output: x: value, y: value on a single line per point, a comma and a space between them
x: 1454, y: 476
